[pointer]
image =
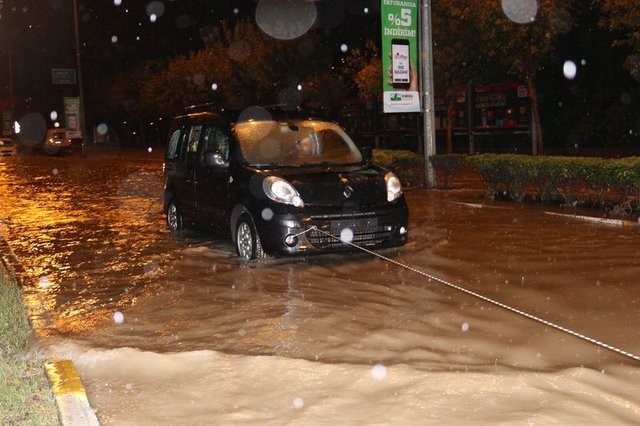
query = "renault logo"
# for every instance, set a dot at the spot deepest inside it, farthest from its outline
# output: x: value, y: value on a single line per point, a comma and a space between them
x: 348, y: 192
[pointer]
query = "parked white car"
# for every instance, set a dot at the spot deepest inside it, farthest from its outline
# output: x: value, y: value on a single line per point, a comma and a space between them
x: 57, y: 141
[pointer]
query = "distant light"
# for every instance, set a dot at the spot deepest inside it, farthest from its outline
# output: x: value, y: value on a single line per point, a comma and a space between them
x: 16, y: 127
x: 56, y: 124
x: 117, y: 2
x: 236, y: 11
x: 53, y: 115
x: 153, y: 17
x: 214, y: 86
x: 344, y: 48
x: 366, y: 10
x: 114, y: 39
x: 150, y: 150
x: 299, y: 87
x: 583, y: 62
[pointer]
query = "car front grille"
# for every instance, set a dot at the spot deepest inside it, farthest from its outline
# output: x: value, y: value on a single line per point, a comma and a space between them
x: 359, y: 231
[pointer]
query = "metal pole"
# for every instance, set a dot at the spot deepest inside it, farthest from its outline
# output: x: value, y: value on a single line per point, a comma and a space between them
x: 79, y: 69
x: 428, y: 112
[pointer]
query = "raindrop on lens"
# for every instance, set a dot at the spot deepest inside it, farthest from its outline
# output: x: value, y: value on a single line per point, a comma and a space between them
x: 569, y: 69
x: 267, y: 214
x: 44, y: 282
x: 102, y: 129
x: 55, y: 172
x: 346, y: 235
x: 520, y: 11
x: 299, y: 16
x: 153, y: 17
x: 118, y: 317
x: 379, y: 372
x: 53, y: 115
x: 298, y: 403
x: 465, y: 326
x: 117, y: 2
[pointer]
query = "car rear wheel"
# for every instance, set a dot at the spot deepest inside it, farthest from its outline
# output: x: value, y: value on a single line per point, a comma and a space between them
x: 174, y: 217
x: 247, y: 239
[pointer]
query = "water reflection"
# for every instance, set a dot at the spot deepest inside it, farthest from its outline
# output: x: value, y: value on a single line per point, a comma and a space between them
x: 95, y: 234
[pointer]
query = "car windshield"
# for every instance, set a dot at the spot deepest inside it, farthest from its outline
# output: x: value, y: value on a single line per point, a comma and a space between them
x: 295, y: 143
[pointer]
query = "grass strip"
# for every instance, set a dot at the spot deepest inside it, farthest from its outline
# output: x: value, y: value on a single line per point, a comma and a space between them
x: 25, y: 395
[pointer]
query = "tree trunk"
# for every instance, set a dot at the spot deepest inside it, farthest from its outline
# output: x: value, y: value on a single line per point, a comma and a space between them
x: 536, y: 129
x: 449, y: 123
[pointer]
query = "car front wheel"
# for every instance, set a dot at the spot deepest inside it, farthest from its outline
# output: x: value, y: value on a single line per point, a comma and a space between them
x: 174, y: 217
x: 247, y: 239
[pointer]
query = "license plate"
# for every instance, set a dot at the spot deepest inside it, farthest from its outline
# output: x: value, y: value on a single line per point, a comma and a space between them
x: 358, y: 226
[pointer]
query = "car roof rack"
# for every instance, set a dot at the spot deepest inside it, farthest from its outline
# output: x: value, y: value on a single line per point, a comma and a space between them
x: 197, y: 107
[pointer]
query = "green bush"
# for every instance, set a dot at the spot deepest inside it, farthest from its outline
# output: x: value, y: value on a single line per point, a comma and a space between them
x: 570, y: 180
x: 407, y: 165
x: 446, y: 167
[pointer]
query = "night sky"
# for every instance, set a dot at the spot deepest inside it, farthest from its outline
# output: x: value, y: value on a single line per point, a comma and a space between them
x: 38, y: 35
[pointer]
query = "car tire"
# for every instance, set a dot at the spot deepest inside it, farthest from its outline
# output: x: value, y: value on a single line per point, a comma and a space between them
x: 248, y: 245
x: 174, y: 218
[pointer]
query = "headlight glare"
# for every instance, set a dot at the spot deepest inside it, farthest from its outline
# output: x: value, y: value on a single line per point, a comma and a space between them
x: 394, y: 187
x: 281, y: 191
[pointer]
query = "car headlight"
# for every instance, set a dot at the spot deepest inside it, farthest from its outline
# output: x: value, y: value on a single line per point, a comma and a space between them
x: 281, y: 191
x: 394, y: 187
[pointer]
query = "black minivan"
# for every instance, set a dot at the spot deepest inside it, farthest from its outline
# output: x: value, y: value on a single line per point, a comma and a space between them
x: 279, y: 183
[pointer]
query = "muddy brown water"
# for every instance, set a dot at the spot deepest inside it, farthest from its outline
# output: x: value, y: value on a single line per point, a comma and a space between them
x: 168, y: 329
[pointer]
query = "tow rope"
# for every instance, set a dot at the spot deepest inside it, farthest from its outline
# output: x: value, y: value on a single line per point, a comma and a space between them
x: 482, y: 297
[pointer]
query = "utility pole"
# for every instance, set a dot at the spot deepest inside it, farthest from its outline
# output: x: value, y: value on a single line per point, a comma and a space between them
x: 79, y: 71
x: 428, y: 113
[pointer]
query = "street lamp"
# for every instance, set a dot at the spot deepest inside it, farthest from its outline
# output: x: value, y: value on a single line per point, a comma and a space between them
x: 79, y: 70
x: 427, y: 90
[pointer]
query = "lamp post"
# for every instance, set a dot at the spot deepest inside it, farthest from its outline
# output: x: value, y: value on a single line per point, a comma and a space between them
x: 429, y: 136
x: 79, y: 70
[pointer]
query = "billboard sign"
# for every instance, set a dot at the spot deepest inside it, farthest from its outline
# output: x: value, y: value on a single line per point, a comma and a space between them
x: 72, y: 115
x: 400, y: 82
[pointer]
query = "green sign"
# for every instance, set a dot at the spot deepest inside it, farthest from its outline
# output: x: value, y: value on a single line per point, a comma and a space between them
x: 400, y: 80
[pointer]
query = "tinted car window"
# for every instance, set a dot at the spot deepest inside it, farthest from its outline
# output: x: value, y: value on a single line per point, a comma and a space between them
x: 172, y: 147
x: 303, y: 142
x: 215, y: 140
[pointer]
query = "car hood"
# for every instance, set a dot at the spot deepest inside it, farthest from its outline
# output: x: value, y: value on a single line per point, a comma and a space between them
x: 328, y: 186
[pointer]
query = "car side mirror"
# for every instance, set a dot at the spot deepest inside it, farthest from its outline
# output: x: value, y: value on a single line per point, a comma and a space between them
x: 367, y: 154
x: 215, y: 159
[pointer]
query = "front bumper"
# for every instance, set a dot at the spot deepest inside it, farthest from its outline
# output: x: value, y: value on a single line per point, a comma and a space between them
x: 323, y: 232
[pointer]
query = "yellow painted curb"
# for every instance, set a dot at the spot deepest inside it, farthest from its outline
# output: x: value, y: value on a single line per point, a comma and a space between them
x: 70, y: 395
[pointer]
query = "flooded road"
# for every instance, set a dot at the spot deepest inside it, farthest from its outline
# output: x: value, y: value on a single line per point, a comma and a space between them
x: 174, y: 329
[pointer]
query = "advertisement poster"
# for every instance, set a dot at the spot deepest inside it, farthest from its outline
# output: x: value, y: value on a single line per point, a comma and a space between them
x: 72, y: 114
x: 400, y: 65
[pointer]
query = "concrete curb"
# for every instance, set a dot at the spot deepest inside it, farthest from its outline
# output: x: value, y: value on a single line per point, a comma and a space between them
x: 67, y: 388
x: 601, y: 220
x: 70, y: 395
x: 594, y: 219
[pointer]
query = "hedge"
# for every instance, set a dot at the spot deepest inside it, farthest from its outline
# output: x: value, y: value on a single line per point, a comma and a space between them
x: 587, y: 181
